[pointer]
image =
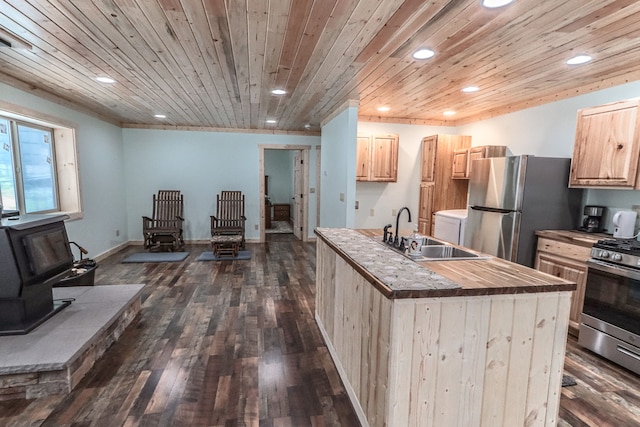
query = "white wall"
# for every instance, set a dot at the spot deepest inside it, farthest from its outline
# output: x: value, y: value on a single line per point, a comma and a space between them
x: 383, y: 197
x: 338, y: 178
x: 102, y: 180
x: 200, y: 164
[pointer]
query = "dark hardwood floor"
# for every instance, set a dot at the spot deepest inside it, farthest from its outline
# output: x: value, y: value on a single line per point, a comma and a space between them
x: 235, y: 343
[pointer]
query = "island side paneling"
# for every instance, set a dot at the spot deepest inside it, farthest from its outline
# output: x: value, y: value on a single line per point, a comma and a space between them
x: 478, y: 360
x: 355, y: 320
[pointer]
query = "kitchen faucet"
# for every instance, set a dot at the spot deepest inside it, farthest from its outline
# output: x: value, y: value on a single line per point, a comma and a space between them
x: 396, y: 242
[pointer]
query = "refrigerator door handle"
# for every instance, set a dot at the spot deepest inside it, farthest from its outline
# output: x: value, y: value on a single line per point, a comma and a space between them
x: 486, y: 209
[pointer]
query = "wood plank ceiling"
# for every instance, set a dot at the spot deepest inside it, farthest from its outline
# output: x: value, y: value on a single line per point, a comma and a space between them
x: 213, y: 63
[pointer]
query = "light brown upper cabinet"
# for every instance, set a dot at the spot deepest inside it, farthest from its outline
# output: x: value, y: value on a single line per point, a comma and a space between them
x: 428, y: 168
x: 607, y: 144
x: 463, y: 158
x: 377, y: 158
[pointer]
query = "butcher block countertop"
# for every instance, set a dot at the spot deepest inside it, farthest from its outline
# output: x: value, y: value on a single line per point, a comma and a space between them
x: 579, y: 238
x: 396, y: 276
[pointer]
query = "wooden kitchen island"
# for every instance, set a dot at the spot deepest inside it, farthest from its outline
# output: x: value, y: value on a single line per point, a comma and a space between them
x: 440, y: 343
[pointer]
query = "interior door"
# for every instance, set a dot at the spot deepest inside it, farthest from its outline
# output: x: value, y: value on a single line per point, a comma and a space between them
x: 297, y: 195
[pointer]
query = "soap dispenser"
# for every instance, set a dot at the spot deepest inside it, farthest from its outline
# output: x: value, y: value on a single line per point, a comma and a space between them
x: 414, y: 243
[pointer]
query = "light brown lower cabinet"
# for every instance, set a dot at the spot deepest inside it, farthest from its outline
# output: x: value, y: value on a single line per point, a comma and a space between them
x: 566, y: 261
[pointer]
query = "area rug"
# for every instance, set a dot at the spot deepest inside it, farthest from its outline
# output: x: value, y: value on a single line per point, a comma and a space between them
x: 209, y: 256
x: 568, y: 381
x: 156, y: 257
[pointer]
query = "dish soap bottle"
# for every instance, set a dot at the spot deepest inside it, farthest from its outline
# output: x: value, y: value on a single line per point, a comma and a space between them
x: 414, y: 243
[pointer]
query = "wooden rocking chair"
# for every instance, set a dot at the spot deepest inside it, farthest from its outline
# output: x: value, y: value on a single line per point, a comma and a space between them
x: 229, y: 220
x: 164, y: 228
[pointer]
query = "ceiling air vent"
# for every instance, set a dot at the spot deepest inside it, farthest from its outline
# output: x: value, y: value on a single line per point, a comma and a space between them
x: 12, y: 41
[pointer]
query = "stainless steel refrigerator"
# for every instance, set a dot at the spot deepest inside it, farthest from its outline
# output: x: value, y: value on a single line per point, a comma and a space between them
x: 512, y: 197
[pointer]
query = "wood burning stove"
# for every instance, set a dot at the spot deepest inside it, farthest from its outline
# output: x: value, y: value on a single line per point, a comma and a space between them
x: 35, y: 255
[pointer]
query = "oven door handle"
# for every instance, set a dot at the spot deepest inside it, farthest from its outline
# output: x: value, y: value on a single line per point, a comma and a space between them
x: 629, y: 272
x: 628, y: 353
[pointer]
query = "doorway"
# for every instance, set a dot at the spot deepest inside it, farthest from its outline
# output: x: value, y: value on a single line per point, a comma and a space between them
x: 284, y: 177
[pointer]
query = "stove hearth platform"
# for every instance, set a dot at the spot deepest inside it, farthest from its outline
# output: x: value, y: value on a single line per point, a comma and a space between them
x: 54, y: 357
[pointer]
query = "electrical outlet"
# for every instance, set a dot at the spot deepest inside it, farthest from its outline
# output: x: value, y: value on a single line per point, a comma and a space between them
x: 312, y: 190
x: 394, y: 212
x: 342, y: 197
x: 372, y: 212
x: 257, y: 226
x: 117, y: 233
x: 357, y: 205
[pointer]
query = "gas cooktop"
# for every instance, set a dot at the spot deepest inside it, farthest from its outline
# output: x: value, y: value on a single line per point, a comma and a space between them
x: 629, y: 246
x: 618, y: 251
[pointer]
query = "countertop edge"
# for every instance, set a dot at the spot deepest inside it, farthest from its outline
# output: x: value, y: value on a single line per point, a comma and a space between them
x: 579, y: 238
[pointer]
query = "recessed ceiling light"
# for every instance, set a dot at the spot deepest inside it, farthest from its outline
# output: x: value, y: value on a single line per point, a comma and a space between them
x: 384, y: 108
x: 470, y: 89
x: 578, y: 59
x: 271, y: 121
x: 495, y: 3
x: 423, y: 54
x: 278, y: 92
x: 449, y: 113
x: 159, y: 116
x: 103, y: 79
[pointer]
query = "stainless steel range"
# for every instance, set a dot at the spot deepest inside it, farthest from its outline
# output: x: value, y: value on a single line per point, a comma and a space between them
x: 610, y: 324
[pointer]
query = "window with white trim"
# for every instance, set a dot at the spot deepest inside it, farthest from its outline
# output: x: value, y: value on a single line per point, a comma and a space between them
x: 38, y: 168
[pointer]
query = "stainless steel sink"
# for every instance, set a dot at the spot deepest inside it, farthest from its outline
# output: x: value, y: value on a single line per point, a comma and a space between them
x: 445, y: 253
x: 428, y: 241
x: 435, y: 250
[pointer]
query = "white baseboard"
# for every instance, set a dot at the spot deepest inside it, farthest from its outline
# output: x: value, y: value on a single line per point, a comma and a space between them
x: 124, y: 245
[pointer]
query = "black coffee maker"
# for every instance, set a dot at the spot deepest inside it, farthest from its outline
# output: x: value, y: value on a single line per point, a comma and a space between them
x: 592, y: 222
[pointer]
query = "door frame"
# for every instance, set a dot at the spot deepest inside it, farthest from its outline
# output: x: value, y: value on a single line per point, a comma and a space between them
x: 303, y: 151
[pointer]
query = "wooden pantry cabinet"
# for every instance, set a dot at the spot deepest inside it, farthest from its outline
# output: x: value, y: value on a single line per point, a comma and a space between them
x: 377, y: 158
x: 438, y: 191
x: 607, y: 146
x: 463, y: 158
x: 425, y: 208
